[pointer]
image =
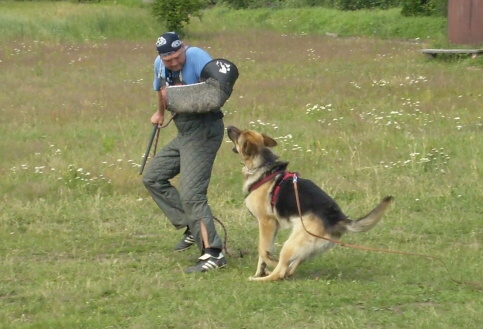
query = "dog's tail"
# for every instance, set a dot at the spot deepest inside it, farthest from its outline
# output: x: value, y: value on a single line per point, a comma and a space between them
x: 367, y: 222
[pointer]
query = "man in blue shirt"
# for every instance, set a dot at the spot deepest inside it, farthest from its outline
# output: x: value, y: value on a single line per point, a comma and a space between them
x: 190, y: 154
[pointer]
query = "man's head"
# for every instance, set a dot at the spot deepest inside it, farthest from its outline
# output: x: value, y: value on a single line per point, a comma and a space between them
x: 170, y: 49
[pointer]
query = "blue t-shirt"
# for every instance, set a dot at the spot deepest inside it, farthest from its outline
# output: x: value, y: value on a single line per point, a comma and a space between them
x: 196, y: 59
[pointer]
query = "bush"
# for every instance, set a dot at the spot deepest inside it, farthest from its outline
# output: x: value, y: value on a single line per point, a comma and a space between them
x: 425, y: 8
x: 439, y: 8
x: 253, y: 4
x: 238, y: 4
x: 365, y: 4
x: 338, y: 4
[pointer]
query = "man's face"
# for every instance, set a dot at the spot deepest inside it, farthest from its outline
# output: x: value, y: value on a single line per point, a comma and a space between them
x: 175, y: 61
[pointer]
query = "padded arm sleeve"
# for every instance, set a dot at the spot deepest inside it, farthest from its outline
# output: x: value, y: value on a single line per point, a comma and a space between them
x: 196, y: 98
x: 218, y: 78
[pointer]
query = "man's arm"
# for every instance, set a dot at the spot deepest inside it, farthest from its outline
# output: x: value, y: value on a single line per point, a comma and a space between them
x: 158, y: 116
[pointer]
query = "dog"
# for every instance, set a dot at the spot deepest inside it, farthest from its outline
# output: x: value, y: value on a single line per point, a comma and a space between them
x: 280, y: 199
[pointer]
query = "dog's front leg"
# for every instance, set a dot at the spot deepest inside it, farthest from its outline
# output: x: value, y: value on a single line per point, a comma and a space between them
x: 268, y: 228
x: 261, y: 268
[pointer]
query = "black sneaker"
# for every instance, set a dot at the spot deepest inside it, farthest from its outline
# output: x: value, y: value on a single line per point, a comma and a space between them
x: 187, y: 241
x: 206, y: 263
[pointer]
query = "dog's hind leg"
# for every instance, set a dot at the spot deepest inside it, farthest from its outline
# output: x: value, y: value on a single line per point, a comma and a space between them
x: 268, y: 228
x: 312, y: 248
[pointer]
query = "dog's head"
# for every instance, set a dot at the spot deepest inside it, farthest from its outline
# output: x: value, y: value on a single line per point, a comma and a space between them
x: 249, y: 143
x: 253, y: 147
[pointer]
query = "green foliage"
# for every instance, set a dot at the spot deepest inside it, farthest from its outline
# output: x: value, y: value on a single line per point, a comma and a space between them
x: 424, y: 8
x: 440, y: 8
x: 365, y: 4
x: 308, y: 3
x: 176, y: 14
x: 416, y: 8
x: 238, y: 4
x: 253, y: 4
x: 338, y: 4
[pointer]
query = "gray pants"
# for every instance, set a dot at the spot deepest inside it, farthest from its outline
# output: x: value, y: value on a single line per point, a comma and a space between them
x: 191, y: 154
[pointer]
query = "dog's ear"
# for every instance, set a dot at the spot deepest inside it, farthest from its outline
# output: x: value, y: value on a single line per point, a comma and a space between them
x: 248, y: 148
x: 269, y: 141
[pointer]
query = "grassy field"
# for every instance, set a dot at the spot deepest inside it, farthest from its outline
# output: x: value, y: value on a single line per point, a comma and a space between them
x: 82, y: 245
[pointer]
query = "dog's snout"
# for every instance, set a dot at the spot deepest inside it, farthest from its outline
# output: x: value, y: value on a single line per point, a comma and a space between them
x: 232, y: 133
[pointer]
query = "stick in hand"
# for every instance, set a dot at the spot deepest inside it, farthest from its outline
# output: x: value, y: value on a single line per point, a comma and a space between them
x: 148, y: 149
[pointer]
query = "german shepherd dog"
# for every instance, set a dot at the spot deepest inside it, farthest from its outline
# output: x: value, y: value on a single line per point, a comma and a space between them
x: 280, y: 199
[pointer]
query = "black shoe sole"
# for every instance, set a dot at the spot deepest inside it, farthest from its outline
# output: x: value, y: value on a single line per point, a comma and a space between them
x: 179, y: 250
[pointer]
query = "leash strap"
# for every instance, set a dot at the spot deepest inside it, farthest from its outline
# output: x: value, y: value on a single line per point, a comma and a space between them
x: 157, y: 132
x: 225, y: 240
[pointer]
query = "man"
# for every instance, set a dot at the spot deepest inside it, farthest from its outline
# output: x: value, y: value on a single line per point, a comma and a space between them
x: 178, y: 73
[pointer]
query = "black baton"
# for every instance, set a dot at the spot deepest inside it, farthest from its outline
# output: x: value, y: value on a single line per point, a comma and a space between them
x: 146, y: 154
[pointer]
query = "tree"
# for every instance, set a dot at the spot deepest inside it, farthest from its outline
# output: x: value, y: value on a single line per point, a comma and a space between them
x: 175, y: 13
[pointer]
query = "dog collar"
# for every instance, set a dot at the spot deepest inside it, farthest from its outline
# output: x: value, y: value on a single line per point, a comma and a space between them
x: 262, y: 181
x: 275, y: 168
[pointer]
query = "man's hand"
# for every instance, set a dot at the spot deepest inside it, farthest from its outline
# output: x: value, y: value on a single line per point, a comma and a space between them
x: 157, y: 118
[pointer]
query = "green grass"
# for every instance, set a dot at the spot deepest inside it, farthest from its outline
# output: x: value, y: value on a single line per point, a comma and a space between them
x: 75, y: 22
x: 82, y: 245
